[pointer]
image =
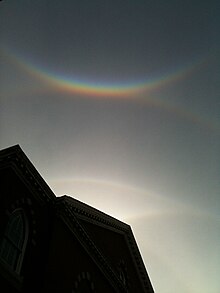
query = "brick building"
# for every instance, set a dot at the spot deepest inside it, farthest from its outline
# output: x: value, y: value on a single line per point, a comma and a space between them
x: 59, y: 244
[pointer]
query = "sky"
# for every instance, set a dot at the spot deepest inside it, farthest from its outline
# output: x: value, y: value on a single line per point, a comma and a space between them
x: 117, y: 104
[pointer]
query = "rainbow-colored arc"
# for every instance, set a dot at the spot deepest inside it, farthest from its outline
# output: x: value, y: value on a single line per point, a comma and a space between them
x: 102, y: 89
x: 74, y: 85
x: 53, y: 82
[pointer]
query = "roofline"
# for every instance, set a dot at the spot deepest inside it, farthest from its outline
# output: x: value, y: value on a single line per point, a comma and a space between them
x: 68, y: 216
x: 88, y: 213
x: 15, y: 157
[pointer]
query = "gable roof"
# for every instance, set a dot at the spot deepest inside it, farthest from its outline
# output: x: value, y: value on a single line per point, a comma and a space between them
x: 75, y: 215
x: 84, y: 213
x: 15, y: 158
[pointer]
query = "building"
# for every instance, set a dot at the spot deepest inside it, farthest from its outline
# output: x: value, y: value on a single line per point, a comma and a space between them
x: 59, y: 244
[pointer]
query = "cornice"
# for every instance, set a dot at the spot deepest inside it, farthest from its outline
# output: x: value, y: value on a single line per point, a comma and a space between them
x: 83, y: 211
x: 15, y: 158
x: 71, y: 211
x: 88, y: 213
x: 64, y: 211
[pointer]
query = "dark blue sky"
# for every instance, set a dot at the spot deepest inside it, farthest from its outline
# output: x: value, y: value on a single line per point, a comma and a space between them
x: 149, y: 157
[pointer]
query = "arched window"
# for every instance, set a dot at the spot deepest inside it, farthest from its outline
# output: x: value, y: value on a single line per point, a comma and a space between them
x: 13, y: 244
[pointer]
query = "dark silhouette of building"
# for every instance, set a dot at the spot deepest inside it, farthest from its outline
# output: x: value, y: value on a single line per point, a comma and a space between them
x: 59, y: 244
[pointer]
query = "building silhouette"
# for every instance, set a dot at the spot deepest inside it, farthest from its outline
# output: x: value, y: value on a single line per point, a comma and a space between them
x: 59, y: 244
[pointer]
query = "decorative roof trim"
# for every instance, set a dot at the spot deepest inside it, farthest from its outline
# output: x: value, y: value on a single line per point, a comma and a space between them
x: 91, y: 214
x: 16, y: 158
x: 64, y: 211
x: 70, y: 210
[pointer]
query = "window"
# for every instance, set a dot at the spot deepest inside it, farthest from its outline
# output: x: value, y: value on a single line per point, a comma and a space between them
x: 13, y: 244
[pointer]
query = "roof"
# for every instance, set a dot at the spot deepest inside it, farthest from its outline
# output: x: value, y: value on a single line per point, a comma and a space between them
x: 75, y: 215
x: 78, y: 213
x: 15, y: 158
